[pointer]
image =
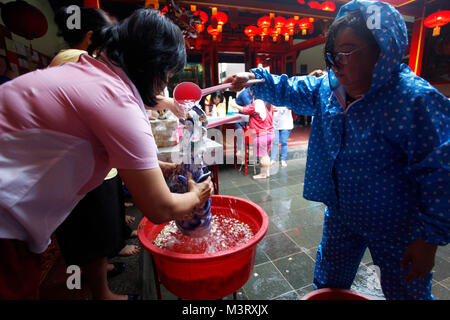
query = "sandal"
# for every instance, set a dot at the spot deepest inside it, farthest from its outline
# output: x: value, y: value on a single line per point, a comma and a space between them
x: 134, y: 297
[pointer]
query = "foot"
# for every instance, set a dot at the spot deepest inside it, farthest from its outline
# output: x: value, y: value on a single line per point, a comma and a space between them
x: 129, y: 250
x: 129, y: 219
x: 261, y: 176
x: 272, y: 162
x: 283, y: 164
x: 133, y: 234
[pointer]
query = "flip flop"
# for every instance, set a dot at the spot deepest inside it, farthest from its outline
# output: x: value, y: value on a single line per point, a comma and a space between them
x: 134, y: 297
x: 119, y: 267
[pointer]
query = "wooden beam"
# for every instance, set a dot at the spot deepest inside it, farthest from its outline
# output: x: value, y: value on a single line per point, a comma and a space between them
x: 92, y: 3
x: 308, y: 43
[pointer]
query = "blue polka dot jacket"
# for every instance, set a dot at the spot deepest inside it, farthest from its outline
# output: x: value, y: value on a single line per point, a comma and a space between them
x: 383, y: 164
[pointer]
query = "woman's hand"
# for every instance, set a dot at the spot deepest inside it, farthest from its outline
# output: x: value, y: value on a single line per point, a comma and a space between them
x: 238, y: 80
x: 169, y: 103
x: 420, y: 255
x: 203, y: 190
x: 168, y: 168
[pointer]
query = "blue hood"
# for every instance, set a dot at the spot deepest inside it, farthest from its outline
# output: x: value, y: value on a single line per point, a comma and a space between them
x: 389, y: 29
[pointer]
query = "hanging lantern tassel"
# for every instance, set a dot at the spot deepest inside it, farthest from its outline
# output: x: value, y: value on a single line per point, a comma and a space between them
x: 437, y: 20
x: 436, y: 31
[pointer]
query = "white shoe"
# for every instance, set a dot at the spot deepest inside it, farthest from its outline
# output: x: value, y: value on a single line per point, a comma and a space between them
x: 283, y: 164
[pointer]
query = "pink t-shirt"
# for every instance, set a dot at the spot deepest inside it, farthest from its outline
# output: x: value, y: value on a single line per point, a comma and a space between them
x: 61, y: 130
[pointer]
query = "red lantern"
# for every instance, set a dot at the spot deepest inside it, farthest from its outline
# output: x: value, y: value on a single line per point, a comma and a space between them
x: 301, y: 1
x: 200, y: 27
x: 263, y: 31
x: 24, y: 19
x: 213, y: 32
x: 203, y: 16
x: 304, y: 25
x: 264, y: 22
x: 437, y: 20
x: 274, y: 32
x: 314, y: 5
x: 221, y: 18
x: 328, y: 6
x: 290, y: 25
x: 280, y: 22
x: 251, y: 32
x: 286, y: 33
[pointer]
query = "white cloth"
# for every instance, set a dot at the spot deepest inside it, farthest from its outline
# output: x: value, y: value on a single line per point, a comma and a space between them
x: 282, y: 119
x: 260, y: 108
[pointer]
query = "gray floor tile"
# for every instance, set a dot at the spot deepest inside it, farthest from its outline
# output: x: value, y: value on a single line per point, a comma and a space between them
x: 278, y: 245
x: 441, y: 269
x: 266, y: 282
x: 298, y: 269
x: 292, y: 295
x: 440, y: 292
x: 260, y: 256
x: 305, y: 290
x: 307, y: 237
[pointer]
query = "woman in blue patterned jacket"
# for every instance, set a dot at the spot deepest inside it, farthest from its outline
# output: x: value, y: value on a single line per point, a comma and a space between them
x: 378, y: 154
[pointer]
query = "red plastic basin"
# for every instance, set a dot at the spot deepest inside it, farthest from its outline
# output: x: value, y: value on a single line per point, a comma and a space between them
x: 334, y: 294
x: 210, y: 275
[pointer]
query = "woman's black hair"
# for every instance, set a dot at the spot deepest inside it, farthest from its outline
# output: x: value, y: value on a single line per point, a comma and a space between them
x: 217, y: 94
x: 91, y: 19
x: 357, y: 23
x: 148, y: 47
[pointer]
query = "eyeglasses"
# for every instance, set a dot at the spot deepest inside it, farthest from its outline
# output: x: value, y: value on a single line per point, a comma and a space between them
x: 339, y: 58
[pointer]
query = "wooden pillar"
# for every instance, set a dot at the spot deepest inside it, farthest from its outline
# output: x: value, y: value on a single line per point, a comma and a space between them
x: 417, y: 44
x: 214, y: 54
x: 92, y: 3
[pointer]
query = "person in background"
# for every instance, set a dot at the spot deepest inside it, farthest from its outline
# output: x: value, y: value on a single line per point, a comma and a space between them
x: 261, y: 132
x: 63, y: 128
x: 100, y: 215
x: 215, y: 105
x: 6, y: 73
x: 378, y: 154
x: 283, y: 123
x: 243, y: 98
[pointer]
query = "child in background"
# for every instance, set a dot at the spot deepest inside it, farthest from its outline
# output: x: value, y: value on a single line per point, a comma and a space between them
x: 261, y: 123
x: 215, y: 105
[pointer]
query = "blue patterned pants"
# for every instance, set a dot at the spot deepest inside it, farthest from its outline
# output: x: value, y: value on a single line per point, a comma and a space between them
x: 340, y: 253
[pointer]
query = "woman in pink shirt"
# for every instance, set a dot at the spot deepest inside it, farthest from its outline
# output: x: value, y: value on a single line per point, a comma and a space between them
x: 63, y: 128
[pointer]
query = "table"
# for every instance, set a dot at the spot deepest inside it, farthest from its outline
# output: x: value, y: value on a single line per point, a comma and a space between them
x: 229, y: 119
x: 228, y: 122
x: 213, y: 156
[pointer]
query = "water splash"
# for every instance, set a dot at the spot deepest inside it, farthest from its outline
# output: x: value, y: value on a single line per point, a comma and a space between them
x: 225, y: 233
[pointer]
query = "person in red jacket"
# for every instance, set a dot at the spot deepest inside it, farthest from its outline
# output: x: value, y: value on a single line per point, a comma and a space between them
x: 261, y: 132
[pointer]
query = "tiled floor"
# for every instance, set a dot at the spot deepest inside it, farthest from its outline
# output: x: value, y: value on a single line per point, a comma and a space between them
x: 284, y: 264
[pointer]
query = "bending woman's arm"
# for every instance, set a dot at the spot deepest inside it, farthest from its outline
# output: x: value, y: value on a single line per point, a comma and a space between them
x: 154, y: 199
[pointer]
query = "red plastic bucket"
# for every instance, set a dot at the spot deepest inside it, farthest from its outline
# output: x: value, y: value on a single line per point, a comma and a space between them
x: 211, y: 275
x: 334, y: 294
